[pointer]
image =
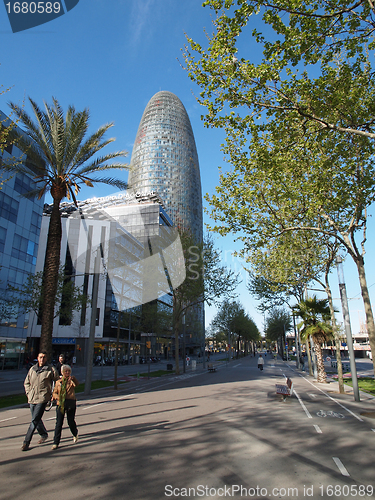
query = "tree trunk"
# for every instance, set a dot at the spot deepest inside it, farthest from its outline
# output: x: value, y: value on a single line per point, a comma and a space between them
x: 311, y: 373
x: 176, y: 329
x: 367, y: 303
x: 50, y: 278
x: 322, y: 377
x: 177, y: 312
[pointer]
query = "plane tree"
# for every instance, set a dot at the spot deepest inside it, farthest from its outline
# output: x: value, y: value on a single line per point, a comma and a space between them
x: 278, y: 323
x: 287, y: 266
x: 321, y: 188
x: 232, y: 319
x: 291, y: 68
x: 299, y: 120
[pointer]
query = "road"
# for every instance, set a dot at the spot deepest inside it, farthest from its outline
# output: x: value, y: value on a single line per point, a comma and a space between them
x: 11, y: 381
x: 200, y: 435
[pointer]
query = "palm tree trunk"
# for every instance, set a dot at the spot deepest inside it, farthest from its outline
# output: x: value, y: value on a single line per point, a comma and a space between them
x: 322, y: 377
x: 308, y: 352
x: 50, y: 278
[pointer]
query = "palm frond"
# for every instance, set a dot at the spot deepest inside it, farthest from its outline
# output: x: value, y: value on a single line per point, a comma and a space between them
x: 98, y: 165
x: 110, y: 181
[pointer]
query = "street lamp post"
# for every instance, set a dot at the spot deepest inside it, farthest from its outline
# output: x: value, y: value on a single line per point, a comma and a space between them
x: 183, y: 343
x: 298, y: 345
x: 348, y: 330
x: 91, y: 342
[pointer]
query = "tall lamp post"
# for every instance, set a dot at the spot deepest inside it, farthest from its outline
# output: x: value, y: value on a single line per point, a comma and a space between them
x: 91, y: 342
x: 348, y: 330
x: 183, y: 342
x: 297, y: 341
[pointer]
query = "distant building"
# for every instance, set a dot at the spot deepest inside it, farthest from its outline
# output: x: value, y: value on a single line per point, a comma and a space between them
x: 120, y: 229
x: 20, y: 220
x: 165, y: 159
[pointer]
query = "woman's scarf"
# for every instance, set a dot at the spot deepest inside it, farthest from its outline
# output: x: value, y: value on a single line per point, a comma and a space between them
x: 62, y: 397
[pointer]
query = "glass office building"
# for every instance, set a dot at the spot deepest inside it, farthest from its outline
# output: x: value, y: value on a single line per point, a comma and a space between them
x: 121, y: 229
x: 165, y: 160
x: 20, y: 220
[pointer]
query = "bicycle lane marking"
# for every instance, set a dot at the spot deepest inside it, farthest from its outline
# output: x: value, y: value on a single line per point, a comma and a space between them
x: 303, y: 405
x: 333, y: 399
x: 337, y: 461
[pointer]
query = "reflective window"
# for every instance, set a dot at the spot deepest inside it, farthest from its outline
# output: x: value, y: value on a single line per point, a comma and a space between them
x: 8, y: 207
x: 23, y: 184
x: 24, y: 249
x: 3, y: 234
x: 36, y: 221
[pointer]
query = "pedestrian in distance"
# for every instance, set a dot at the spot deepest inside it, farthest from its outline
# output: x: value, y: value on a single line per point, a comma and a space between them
x: 38, y: 388
x: 60, y: 362
x: 260, y: 362
x: 302, y: 361
x: 64, y: 394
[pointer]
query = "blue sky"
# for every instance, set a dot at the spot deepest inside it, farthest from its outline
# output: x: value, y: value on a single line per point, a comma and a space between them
x: 112, y: 57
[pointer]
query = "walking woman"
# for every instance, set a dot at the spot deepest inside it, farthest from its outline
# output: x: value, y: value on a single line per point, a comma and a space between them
x: 64, y: 393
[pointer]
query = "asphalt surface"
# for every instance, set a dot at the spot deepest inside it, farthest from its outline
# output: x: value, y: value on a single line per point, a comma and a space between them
x: 11, y: 381
x: 200, y: 435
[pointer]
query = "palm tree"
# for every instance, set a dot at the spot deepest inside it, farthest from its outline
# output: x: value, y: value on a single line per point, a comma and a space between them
x: 60, y: 158
x: 315, y: 315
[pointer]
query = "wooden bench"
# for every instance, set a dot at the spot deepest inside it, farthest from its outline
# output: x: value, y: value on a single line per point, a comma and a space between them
x: 285, y: 390
x: 211, y: 367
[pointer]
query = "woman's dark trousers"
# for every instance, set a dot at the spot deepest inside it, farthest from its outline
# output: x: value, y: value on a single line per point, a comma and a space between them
x: 70, y: 410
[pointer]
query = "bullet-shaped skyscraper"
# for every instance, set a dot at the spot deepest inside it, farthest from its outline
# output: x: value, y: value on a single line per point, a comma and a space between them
x: 165, y: 160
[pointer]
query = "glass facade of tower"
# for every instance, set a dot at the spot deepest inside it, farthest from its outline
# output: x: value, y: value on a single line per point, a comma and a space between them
x: 165, y: 160
x: 20, y: 220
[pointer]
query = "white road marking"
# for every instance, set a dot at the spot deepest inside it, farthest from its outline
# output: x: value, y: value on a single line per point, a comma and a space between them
x: 335, y: 400
x: 123, y: 397
x: 5, y: 419
x: 93, y: 406
x: 312, y: 396
x: 340, y: 466
x: 303, y: 406
x: 318, y: 429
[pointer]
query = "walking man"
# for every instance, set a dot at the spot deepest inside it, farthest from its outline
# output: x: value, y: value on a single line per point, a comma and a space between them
x: 38, y: 388
x: 59, y: 364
